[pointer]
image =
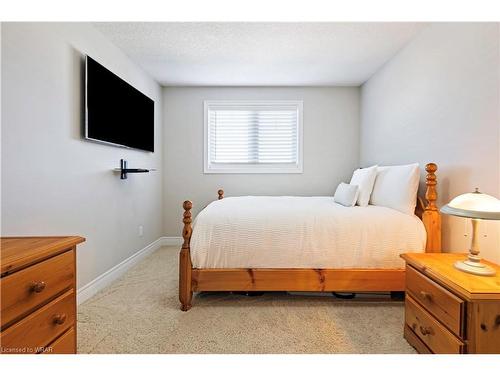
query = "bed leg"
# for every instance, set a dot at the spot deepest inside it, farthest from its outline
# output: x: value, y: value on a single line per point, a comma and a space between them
x: 185, y: 267
x: 185, y: 292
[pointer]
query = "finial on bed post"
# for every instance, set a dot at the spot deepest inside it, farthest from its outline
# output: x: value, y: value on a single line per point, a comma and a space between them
x: 431, y: 217
x: 221, y: 193
x: 431, y: 181
x: 185, y: 267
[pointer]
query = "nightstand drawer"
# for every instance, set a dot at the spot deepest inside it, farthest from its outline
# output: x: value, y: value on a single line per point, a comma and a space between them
x: 63, y: 345
x: 429, y: 330
x: 445, y: 306
x: 42, y: 327
x: 26, y: 289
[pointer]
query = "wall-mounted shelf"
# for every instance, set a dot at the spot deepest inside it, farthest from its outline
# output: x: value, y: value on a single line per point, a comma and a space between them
x: 124, y: 170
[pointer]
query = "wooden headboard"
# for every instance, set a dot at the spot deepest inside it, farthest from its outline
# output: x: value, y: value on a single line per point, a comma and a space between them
x: 429, y: 212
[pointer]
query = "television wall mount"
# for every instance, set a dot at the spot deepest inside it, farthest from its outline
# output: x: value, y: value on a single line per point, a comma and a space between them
x: 124, y: 171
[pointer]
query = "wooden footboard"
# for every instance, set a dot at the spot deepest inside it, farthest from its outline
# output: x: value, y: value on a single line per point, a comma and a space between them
x: 308, y: 280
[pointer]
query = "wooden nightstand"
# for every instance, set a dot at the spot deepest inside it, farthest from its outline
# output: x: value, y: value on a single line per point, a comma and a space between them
x: 450, y: 311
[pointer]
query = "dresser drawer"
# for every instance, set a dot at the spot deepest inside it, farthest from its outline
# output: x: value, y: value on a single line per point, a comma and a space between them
x: 66, y: 344
x: 445, y: 306
x: 41, y: 327
x: 26, y: 289
x: 429, y: 330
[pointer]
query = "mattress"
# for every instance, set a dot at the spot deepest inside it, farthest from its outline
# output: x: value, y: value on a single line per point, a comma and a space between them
x: 302, y: 232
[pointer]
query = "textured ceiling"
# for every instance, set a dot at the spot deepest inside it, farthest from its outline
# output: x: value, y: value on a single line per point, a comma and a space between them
x: 260, y: 54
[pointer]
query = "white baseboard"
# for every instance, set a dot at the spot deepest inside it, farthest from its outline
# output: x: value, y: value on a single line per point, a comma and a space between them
x: 102, y: 281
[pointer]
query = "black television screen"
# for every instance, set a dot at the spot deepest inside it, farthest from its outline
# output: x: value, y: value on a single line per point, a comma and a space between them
x: 116, y: 112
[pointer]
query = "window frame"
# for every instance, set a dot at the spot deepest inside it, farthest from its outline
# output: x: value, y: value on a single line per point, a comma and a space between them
x: 209, y: 168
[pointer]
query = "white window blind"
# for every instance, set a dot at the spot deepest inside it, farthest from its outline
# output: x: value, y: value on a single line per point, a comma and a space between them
x: 253, y: 137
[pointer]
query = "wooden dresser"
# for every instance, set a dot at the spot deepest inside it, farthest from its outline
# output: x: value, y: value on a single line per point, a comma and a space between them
x: 450, y: 311
x: 38, y: 294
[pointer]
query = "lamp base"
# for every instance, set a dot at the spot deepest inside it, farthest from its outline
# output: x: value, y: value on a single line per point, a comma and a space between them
x: 474, y: 267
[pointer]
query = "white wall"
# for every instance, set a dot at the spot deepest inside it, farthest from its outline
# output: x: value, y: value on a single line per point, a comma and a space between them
x: 0, y: 124
x: 437, y: 100
x: 55, y: 183
x: 331, y: 146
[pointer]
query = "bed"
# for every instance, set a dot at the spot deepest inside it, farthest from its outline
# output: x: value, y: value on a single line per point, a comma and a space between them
x: 302, y: 244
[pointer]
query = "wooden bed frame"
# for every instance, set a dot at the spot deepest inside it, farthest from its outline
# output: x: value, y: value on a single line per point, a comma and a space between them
x: 303, y: 279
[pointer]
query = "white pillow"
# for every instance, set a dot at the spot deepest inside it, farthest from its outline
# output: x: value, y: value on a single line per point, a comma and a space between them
x: 396, y: 187
x: 346, y: 194
x: 364, y: 178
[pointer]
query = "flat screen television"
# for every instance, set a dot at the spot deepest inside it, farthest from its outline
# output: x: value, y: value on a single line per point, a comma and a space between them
x: 115, y: 112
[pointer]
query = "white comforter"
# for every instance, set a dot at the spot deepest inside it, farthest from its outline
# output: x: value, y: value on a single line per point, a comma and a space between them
x: 301, y: 232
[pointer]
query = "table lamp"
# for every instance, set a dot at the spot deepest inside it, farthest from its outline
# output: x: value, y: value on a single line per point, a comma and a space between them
x: 476, y: 206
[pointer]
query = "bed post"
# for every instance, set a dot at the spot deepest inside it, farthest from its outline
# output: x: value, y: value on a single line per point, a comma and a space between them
x: 221, y: 193
x: 431, y: 217
x: 185, y: 290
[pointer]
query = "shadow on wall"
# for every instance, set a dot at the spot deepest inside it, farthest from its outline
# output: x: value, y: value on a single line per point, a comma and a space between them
x: 77, y: 100
x: 448, y: 224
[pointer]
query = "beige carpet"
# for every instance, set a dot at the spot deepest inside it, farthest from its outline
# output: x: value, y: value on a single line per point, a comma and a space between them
x: 140, y: 314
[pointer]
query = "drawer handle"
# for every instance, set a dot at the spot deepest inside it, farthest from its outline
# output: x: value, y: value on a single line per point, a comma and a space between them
x: 426, y: 295
x: 37, y: 286
x: 426, y: 331
x: 60, y: 319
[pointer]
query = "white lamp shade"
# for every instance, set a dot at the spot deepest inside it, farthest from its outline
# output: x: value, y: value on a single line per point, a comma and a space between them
x: 474, y: 205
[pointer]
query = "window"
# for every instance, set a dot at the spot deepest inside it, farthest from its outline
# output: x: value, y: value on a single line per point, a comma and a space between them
x: 253, y: 136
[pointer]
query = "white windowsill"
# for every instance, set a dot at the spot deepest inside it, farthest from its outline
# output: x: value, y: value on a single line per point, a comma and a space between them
x: 252, y: 169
